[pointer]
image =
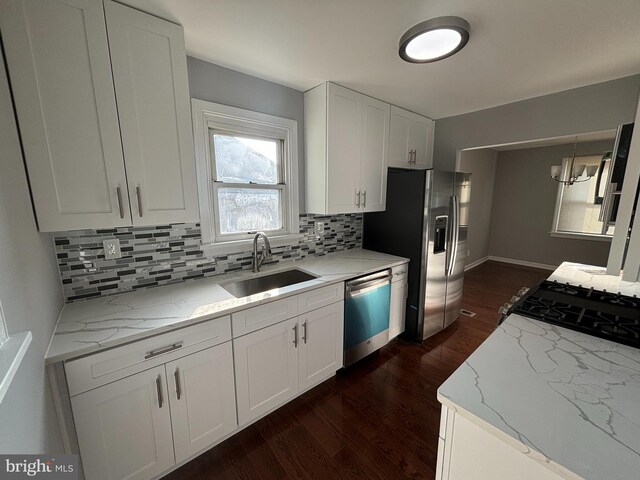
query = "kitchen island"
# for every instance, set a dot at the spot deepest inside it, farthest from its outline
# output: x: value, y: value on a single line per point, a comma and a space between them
x: 539, y: 401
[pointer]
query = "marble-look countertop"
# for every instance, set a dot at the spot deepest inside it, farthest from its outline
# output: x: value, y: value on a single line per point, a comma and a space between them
x: 566, y: 399
x: 596, y: 277
x: 93, y: 325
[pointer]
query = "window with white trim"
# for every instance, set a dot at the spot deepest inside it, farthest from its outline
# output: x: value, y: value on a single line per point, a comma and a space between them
x: 578, y: 206
x: 247, y: 176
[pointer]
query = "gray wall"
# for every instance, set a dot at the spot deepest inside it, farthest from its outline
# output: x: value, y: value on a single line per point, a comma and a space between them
x: 524, y: 203
x: 482, y: 165
x: 31, y: 299
x: 214, y: 83
x: 594, y: 108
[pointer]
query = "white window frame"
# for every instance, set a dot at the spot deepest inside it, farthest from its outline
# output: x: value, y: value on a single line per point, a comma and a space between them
x: 209, y: 116
x: 556, y: 214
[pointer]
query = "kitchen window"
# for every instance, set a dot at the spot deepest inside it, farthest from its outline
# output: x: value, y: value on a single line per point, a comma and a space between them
x: 247, y: 177
x: 578, y: 206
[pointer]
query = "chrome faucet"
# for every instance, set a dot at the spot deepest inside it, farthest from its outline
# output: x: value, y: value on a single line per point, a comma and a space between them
x: 259, y: 258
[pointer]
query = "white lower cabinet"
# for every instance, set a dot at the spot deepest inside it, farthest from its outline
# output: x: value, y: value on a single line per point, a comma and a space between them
x: 124, y: 428
x: 266, y: 369
x: 202, y: 399
x: 321, y: 345
x: 142, y: 408
x: 274, y: 364
x: 130, y: 428
x: 398, y: 305
x: 468, y: 451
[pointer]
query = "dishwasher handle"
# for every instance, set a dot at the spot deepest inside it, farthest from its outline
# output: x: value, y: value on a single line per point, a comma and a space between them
x: 368, y: 283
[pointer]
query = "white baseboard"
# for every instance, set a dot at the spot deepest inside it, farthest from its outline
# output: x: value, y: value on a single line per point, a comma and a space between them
x: 480, y: 261
x: 523, y: 263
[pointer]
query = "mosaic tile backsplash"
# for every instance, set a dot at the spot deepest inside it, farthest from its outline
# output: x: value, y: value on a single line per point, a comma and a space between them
x: 165, y: 254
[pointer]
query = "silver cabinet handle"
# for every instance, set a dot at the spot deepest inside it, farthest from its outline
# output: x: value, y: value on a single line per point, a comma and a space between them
x: 364, y: 199
x: 176, y: 377
x: 358, y: 199
x: 414, y: 156
x: 159, y: 389
x: 410, y: 156
x: 119, y: 194
x: 160, y: 351
x: 295, y: 335
x: 139, y: 197
x: 304, y: 332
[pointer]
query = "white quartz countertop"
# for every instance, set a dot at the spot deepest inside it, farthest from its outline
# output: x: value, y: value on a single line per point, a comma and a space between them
x: 93, y: 325
x: 566, y: 399
x: 596, y: 277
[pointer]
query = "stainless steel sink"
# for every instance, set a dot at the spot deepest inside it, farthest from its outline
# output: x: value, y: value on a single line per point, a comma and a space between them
x: 251, y: 286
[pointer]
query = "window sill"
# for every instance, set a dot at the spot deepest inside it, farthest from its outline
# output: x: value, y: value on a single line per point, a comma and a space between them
x: 582, y: 236
x: 240, y: 246
x: 12, y: 352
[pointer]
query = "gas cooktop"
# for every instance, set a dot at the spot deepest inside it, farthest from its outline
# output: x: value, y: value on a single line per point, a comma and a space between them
x: 603, y: 314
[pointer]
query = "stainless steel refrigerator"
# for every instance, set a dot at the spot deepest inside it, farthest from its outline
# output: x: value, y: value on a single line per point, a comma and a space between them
x: 426, y: 220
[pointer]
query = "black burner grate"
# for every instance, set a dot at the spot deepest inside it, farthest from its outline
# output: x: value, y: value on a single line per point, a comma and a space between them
x: 607, y: 315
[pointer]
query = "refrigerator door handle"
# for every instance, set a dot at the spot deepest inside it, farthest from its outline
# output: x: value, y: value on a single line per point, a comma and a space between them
x: 455, y: 227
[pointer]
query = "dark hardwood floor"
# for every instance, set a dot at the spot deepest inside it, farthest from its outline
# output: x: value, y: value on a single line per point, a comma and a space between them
x: 378, y: 419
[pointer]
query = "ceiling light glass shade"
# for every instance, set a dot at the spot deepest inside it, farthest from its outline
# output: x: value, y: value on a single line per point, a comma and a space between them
x: 592, y: 170
x: 578, y: 170
x: 434, y: 39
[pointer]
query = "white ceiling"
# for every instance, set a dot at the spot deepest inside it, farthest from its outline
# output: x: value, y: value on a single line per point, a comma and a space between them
x: 518, y: 48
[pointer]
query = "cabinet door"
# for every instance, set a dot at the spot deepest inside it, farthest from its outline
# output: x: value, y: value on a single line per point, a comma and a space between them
x: 150, y: 74
x: 266, y: 369
x: 421, y: 140
x: 202, y: 398
x: 58, y: 61
x: 321, y: 334
x: 343, y: 149
x: 399, y: 130
x: 397, y: 308
x: 375, y: 154
x: 124, y: 428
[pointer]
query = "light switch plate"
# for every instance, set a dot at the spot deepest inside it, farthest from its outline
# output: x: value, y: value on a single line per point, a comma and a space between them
x: 319, y: 228
x: 112, y: 249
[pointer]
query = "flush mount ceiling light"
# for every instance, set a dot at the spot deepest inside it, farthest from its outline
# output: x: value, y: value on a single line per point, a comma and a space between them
x: 434, y: 39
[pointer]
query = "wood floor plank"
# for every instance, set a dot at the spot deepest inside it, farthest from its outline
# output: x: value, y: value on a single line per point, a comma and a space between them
x: 379, y: 419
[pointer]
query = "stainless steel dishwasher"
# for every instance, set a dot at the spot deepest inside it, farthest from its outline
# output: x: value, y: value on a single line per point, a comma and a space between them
x: 366, y: 315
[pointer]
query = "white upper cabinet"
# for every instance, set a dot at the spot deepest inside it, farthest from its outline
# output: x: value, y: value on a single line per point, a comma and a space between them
x: 375, y: 150
x: 346, y: 141
x: 410, y: 140
x: 60, y: 63
x: 58, y: 60
x: 150, y: 74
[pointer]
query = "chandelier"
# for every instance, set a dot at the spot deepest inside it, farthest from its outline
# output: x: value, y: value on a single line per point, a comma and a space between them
x: 574, y: 172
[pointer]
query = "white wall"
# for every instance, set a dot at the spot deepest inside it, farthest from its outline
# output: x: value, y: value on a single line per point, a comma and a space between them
x: 482, y: 166
x: 31, y: 298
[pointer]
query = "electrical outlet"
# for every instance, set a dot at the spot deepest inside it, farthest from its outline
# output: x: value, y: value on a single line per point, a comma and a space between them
x: 319, y: 228
x: 111, y: 249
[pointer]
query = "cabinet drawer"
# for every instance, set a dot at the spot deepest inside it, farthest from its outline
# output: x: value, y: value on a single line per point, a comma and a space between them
x: 400, y: 272
x: 95, y: 370
x: 255, y: 318
x: 320, y: 297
